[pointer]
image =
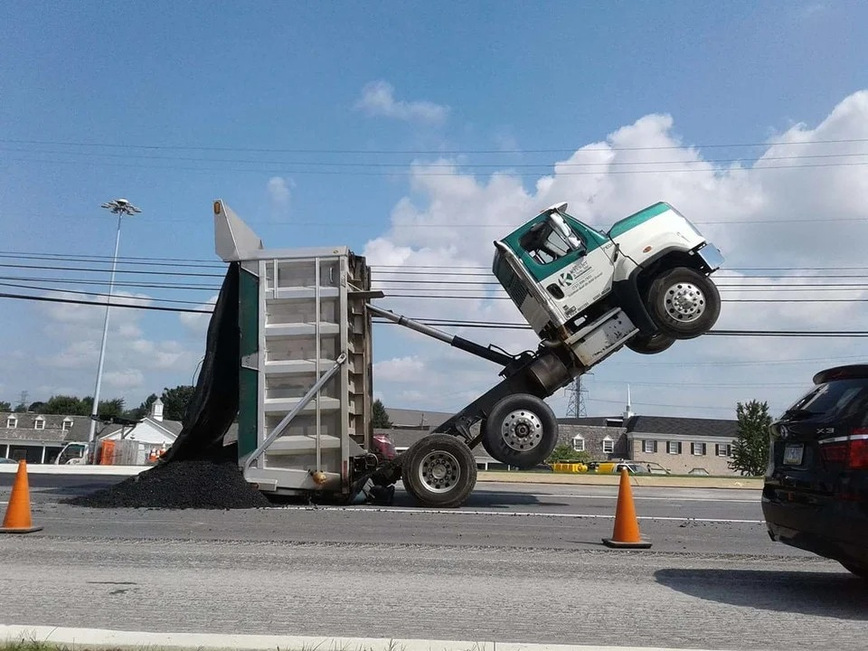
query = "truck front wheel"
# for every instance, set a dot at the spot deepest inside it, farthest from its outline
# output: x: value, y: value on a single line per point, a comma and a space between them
x: 439, y: 471
x: 521, y: 431
x: 683, y: 303
x: 649, y: 344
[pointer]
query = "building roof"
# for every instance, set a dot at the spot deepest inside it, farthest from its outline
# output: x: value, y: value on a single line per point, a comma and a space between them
x: 172, y: 427
x: 594, y: 421
x: 52, y: 432
x: 682, y: 426
x: 416, y: 419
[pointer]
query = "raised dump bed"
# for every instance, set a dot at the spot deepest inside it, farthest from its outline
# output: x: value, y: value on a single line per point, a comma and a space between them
x: 304, y: 411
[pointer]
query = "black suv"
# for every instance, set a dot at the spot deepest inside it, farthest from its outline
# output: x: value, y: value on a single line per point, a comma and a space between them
x: 816, y: 486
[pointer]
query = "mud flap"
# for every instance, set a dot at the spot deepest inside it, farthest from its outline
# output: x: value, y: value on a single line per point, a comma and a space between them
x: 214, y: 404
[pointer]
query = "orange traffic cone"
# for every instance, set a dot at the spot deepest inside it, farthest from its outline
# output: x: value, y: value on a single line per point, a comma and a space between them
x: 17, y: 518
x: 626, y: 533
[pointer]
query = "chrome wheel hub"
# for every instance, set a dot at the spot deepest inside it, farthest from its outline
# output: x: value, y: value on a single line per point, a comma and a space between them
x: 684, y: 302
x: 521, y: 430
x: 439, y: 471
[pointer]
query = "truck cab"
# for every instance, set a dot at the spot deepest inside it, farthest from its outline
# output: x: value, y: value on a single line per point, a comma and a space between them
x: 649, y: 272
x: 72, y: 454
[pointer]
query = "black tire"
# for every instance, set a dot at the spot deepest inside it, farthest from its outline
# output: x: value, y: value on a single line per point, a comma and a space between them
x: 650, y: 344
x: 521, y: 431
x: 439, y: 471
x: 683, y: 303
x: 859, y: 570
x: 484, y: 440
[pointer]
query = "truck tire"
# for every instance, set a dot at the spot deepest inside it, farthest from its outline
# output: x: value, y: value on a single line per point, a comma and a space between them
x: 683, y: 303
x: 439, y: 471
x: 521, y: 431
x: 650, y: 344
x: 859, y: 570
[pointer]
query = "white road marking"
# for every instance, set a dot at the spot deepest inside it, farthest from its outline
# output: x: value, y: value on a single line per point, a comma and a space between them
x: 646, y: 498
x: 508, y: 514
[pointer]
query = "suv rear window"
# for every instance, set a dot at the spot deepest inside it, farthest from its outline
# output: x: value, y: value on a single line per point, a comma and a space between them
x: 830, y: 398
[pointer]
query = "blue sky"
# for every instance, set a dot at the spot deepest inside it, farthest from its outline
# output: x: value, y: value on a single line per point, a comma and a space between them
x: 174, y: 104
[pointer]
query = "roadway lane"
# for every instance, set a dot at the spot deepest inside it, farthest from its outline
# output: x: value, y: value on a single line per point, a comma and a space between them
x: 678, y: 503
x: 519, y: 563
x: 555, y: 585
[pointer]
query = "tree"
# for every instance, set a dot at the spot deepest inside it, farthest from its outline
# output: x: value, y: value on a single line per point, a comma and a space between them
x: 750, y: 452
x: 67, y: 406
x: 113, y: 407
x: 37, y: 407
x: 175, y: 401
x: 5, y: 406
x: 565, y: 453
x: 379, y: 416
x: 143, y: 409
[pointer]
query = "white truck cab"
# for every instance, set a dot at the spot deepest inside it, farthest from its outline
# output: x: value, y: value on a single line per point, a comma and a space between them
x: 643, y: 284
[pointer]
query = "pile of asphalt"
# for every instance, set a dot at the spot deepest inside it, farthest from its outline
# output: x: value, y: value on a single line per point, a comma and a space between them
x: 180, y: 485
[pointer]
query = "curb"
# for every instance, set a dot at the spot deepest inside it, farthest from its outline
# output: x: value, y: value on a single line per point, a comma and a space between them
x: 584, y: 479
x: 73, y: 469
x: 94, y: 637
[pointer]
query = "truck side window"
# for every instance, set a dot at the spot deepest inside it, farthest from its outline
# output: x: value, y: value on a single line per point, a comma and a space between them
x: 545, y: 244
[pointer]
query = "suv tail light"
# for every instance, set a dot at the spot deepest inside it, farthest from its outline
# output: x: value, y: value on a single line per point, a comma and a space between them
x: 851, y: 451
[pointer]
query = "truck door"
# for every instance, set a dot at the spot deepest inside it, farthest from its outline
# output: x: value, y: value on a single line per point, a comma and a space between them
x: 570, y: 261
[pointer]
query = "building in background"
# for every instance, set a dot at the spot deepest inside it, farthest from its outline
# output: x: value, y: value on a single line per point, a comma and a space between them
x: 681, y: 445
x: 38, y: 438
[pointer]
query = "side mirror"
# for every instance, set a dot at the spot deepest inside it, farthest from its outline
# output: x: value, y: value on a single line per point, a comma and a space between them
x: 558, y: 224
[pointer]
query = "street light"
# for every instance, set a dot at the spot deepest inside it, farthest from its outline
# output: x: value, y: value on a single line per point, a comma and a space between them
x: 119, y: 207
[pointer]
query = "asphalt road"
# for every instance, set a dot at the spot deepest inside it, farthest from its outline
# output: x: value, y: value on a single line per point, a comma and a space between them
x: 520, y: 563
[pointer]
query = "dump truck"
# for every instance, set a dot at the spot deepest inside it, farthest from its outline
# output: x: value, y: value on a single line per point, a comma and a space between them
x: 289, y: 351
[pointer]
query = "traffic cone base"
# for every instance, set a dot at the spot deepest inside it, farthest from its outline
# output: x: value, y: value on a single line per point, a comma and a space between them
x: 626, y: 532
x: 19, y: 529
x: 17, y: 518
x: 642, y: 544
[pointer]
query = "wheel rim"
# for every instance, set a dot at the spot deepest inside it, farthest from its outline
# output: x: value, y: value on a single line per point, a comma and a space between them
x: 439, y: 471
x: 521, y: 430
x: 684, y: 302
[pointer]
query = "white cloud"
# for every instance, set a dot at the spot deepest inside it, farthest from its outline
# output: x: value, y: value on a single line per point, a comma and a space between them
x: 756, y: 212
x: 399, y: 369
x: 279, y: 193
x: 72, y: 334
x: 197, y: 322
x: 122, y: 380
x: 378, y: 99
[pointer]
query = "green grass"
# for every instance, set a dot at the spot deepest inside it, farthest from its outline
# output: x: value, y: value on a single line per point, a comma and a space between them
x: 33, y: 645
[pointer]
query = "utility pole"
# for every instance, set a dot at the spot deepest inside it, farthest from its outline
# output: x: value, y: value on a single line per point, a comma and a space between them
x: 119, y: 207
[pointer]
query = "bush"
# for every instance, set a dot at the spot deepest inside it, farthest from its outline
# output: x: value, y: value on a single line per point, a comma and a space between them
x: 564, y: 453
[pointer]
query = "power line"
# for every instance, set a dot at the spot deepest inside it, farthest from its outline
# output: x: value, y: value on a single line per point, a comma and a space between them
x: 120, y: 271
x: 284, y: 170
x: 84, y: 293
x: 724, y: 333
x: 435, y: 165
x: 421, y: 151
x: 79, y: 302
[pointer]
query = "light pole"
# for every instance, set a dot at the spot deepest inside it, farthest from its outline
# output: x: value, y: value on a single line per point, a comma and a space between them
x: 119, y: 207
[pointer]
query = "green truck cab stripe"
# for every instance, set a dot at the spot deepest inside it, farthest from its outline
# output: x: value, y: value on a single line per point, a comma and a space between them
x: 593, y: 240
x: 637, y: 218
x: 248, y: 379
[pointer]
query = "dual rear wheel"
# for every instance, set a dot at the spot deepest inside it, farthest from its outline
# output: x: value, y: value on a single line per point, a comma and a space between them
x: 440, y: 470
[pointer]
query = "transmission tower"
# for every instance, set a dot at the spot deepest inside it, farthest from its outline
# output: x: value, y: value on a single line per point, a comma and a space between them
x: 578, y: 396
